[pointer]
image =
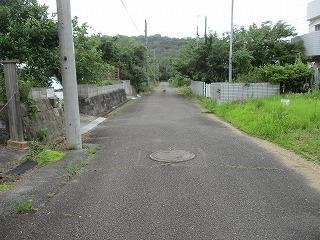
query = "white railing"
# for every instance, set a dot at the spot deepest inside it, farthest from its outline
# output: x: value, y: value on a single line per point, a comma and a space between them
x: 225, y: 92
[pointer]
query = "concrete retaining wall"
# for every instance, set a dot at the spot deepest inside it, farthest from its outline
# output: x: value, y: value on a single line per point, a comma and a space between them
x: 91, y: 90
x: 102, y: 103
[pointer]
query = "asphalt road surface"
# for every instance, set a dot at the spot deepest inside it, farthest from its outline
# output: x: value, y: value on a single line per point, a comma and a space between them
x: 232, y: 189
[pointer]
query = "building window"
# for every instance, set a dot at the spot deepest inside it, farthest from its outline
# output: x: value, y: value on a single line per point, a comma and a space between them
x: 317, y: 27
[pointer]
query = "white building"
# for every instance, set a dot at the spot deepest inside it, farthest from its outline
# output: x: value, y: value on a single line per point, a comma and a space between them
x: 311, y: 40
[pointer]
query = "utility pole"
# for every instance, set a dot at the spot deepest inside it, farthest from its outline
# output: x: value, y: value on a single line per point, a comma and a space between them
x: 69, y: 77
x: 154, y: 65
x: 205, y: 27
x: 231, y: 43
x: 197, y: 36
x: 146, y: 45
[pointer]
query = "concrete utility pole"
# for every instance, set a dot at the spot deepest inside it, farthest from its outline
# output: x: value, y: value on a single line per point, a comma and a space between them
x: 231, y: 43
x: 146, y: 45
x: 205, y: 27
x: 69, y: 77
x: 154, y: 65
x: 13, y: 104
x: 197, y: 36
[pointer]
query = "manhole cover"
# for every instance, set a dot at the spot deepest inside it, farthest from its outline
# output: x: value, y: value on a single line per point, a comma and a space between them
x: 172, y: 156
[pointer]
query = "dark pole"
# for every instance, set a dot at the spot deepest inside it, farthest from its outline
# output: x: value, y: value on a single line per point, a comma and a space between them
x: 13, y: 104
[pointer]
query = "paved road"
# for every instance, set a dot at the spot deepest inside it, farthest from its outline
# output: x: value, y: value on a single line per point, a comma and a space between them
x: 232, y: 189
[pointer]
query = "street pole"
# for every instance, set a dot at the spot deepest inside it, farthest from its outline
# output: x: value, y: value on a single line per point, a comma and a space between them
x: 146, y: 45
x: 205, y: 27
x: 154, y: 64
x: 69, y: 77
x: 231, y: 43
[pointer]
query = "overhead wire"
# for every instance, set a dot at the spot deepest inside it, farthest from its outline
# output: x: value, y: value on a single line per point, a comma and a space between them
x: 132, y: 20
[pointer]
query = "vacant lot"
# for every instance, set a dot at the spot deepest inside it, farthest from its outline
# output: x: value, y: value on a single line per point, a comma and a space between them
x: 295, y: 126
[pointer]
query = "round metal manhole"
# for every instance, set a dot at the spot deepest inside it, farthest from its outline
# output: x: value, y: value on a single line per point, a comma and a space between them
x: 172, y: 156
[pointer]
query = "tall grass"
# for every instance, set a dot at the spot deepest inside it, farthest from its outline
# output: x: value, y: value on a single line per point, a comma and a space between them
x: 295, y: 126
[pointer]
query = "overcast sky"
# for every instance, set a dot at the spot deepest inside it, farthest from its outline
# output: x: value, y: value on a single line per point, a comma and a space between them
x: 178, y: 18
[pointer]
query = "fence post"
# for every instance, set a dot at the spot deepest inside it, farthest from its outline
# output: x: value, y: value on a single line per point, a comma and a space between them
x: 13, y: 103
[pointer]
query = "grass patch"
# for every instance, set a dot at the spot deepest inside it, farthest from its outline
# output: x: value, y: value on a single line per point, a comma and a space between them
x: 295, y: 127
x: 24, y: 206
x: 4, y: 187
x: 49, y: 156
x: 41, y: 154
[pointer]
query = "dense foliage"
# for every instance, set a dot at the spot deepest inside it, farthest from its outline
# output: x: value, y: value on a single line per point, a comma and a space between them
x: 261, y: 53
x: 126, y: 54
x: 30, y: 35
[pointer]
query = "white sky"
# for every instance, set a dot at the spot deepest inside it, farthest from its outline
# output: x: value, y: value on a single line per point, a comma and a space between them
x: 178, y: 18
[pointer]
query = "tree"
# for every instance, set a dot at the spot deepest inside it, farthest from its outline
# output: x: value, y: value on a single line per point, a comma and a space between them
x: 89, y: 62
x: 29, y: 35
x: 126, y: 54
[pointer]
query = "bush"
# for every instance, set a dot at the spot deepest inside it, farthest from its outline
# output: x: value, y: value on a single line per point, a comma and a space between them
x: 179, y: 81
x: 292, y: 77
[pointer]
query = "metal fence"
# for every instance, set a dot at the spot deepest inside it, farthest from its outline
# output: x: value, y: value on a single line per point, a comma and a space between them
x: 225, y: 92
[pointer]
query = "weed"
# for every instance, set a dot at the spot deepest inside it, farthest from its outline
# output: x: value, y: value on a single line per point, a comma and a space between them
x: 185, y: 90
x: 67, y: 215
x: 167, y: 164
x: 92, y: 150
x: 24, y: 206
x: 4, y: 187
x: 51, y: 195
x: 73, y: 168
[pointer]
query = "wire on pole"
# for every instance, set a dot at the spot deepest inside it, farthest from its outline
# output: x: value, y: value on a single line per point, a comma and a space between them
x: 10, y: 99
x: 132, y: 21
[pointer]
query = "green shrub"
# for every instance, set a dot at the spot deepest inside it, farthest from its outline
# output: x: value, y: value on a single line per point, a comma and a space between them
x: 35, y: 148
x: 179, y: 81
x: 291, y: 76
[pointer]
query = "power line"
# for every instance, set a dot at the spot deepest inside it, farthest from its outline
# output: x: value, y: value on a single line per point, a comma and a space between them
x: 132, y: 21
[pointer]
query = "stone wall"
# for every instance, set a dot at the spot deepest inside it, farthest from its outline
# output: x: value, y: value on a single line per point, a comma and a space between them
x: 48, y: 117
x: 102, y: 103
